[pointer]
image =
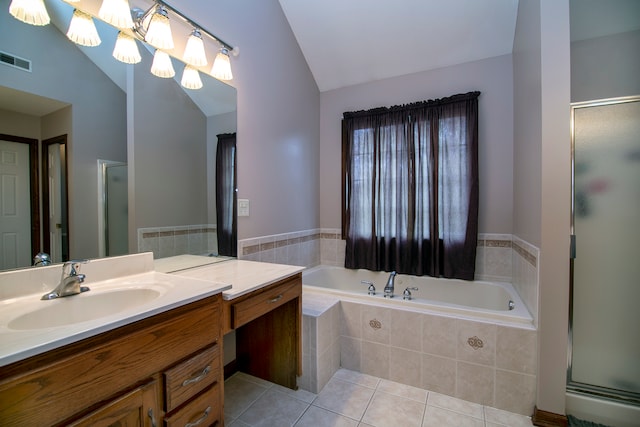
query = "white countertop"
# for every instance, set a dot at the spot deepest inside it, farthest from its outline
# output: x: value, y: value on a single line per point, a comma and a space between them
x: 17, y: 343
x: 244, y: 276
x: 20, y: 293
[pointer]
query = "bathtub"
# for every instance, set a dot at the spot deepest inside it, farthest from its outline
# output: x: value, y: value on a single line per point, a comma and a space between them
x: 495, y: 302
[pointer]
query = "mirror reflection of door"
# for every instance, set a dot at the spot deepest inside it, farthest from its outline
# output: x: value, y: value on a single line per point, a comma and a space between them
x: 54, y: 198
x: 19, y: 221
x: 114, y: 209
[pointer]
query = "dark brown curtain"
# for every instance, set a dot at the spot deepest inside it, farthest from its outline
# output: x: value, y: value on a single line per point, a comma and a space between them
x: 410, y: 198
x: 226, y: 212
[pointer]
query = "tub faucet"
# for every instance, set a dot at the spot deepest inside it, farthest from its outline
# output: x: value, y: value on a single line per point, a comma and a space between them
x: 69, y: 282
x: 388, y: 289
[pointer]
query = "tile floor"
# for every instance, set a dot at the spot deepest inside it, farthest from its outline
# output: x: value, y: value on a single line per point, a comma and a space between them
x: 353, y: 399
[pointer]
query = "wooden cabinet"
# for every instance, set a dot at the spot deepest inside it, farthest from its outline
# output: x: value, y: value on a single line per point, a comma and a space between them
x: 164, y: 368
x: 268, y: 331
x: 135, y: 408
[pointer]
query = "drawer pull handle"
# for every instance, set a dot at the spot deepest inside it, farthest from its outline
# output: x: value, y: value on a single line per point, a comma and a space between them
x: 199, y: 378
x: 152, y: 417
x: 276, y: 299
x: 201, y: 419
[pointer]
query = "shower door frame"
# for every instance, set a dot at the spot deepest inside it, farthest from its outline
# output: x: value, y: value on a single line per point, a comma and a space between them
x: 577, y: 387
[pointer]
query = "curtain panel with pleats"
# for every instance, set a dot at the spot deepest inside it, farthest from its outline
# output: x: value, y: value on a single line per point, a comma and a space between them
x: 410, y: 187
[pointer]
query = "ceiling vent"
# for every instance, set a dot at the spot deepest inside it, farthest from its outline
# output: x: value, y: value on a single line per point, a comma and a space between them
x: 15, y: 61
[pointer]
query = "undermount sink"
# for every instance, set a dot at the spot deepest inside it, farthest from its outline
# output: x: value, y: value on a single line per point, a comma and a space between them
x: 82, y: 308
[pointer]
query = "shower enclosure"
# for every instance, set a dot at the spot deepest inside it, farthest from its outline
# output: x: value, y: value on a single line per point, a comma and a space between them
x: 605, y: 287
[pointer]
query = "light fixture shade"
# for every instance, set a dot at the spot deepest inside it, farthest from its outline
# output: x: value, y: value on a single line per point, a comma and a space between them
x: 126, y: 49
x: 191, y: 78
x: 116, y: 13
x: 159, y: 30
x: 162, y: 65
x: 82, y: 30
x: 29, y: 11
x: 194, y: 50
x: 222, y: 65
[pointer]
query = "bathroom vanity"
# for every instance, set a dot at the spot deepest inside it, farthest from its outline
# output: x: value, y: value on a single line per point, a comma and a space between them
x: 157, y: 361
x: 264, y: 308
x: 142, y: 372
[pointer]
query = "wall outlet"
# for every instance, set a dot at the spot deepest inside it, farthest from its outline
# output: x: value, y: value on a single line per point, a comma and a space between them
x: 243, y: 207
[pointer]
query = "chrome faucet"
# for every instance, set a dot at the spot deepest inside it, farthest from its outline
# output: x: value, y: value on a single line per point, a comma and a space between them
x: 388, y: 289
x: 69, y: 282
x: 41, y: 259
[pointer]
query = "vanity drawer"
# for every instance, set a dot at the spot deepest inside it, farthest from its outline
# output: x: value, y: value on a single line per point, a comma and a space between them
x: 255, y: 306
x: 205, y: 410
x: 188, y: 378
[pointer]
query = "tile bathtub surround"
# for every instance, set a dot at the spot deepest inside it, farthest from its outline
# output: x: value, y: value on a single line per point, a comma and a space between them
x: 353, y: 399
x: 489, y: 364
x: 169, y: 241
x: 320, y: 341
x: 296, y: 248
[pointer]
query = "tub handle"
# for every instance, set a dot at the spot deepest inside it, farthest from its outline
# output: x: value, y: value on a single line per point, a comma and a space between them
x: 407, y: 292
x: 371, y: 289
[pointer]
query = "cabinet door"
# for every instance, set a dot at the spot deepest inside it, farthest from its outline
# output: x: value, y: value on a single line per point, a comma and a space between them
x: 136, y: 408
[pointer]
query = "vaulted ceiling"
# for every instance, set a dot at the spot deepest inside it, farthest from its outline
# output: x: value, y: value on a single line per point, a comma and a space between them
x: 347, y: 42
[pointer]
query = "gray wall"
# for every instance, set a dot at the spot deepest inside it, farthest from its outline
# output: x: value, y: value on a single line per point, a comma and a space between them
x: 605, y: 67
x: 61, y: 71
x: 167, y: 154
x: 493, y: 77
x: 278, y: 115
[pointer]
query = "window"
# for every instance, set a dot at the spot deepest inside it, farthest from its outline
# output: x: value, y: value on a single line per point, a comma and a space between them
x: 410, y: 187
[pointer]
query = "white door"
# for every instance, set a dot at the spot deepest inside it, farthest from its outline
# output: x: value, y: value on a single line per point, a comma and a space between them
x: 15, y: 205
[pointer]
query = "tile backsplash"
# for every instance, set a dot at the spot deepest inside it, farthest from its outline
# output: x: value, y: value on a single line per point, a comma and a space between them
x: 184, y: 239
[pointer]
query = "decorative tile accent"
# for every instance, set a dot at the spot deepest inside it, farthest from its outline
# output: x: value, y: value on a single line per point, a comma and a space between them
x: 475, y: 342
x: 375, y: 324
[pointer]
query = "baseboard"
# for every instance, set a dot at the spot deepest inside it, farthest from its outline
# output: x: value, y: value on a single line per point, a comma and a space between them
x: 230, y: 368
x: 548, y: 419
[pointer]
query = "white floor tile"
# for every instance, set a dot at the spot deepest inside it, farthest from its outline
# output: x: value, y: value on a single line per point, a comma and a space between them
x: 403, y: 390
x: 500, y: 417
x: 319, y: 417
x: 438, y: 417
x: 456, y: 405
x: 344, y: 398
x: 388, y: 410
x: 356, y: 378
x: 274, y: 409
x: 353, y: 399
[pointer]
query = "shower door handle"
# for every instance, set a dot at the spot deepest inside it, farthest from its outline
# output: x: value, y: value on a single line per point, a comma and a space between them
x: 572, y: 247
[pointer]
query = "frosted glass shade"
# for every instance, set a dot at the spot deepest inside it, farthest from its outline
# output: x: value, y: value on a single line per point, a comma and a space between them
x: 126, y: 49
x: 194, y: 50
x: 82, y: 30
x: 222, y: 66
x: 191, y: 78
x: 162, y: 65
x: 29, y: 11
x: 159, y: 31
x: 116, y: 13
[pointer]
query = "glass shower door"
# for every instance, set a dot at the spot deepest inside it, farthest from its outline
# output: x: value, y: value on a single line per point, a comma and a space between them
x: 605, y: 311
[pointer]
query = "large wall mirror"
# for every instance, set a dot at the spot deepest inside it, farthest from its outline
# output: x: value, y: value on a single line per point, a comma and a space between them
x: 124, y: 161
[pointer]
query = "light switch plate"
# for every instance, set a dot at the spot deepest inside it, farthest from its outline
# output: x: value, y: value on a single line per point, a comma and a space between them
x: 243, y: 207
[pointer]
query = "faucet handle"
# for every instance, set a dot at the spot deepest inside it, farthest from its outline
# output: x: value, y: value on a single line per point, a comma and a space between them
x: 371, y: 289
x: 71, y: 267
x: 407, y: 292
